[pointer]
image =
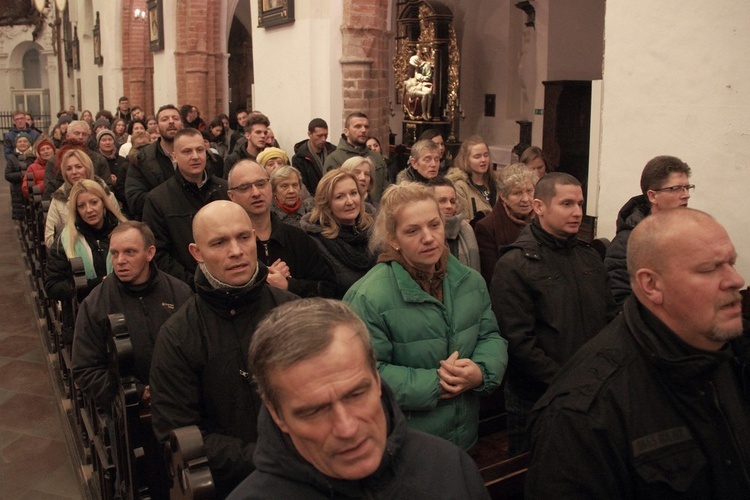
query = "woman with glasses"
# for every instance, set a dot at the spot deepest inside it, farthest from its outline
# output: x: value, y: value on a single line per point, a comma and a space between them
x: 665, y: 184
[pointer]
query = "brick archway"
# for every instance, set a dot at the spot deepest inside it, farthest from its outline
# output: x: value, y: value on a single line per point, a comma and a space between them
x: 199, y: 57
x: 364, y: 62
x: 137, y: 59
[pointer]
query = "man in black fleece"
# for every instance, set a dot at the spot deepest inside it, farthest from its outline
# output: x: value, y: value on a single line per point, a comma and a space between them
x: 329, y: 427
x: 199, y: 375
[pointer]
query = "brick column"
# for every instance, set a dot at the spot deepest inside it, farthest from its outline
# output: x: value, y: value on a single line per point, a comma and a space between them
x: 198, y: 58
x: 137, y: 59
x: 365, y: 64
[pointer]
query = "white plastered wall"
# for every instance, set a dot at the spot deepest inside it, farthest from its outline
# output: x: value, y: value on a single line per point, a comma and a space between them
x: 676, y: 81
x: 297, y: 71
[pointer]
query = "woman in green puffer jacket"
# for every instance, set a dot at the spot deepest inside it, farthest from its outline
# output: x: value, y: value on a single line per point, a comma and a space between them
x: 430, y: 319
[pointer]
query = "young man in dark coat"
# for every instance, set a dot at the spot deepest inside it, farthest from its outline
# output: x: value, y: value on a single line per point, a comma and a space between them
x: 310, y: 155
x: 199, y: 374
x: 550, y: 294
x: 170, y: 207
x: 656, y: 405
x: 664, y: 186
x: 155, y: 164
x: 330, y: 428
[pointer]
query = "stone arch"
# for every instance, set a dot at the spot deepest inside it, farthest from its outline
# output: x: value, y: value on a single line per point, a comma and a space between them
x: 16, y: 60
x: 137, y: 59
x: 199, y: 60
x: 365, y: 62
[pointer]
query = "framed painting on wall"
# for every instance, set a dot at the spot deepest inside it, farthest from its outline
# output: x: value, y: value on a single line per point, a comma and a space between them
x: 275, y: 12
x: 155, y: 25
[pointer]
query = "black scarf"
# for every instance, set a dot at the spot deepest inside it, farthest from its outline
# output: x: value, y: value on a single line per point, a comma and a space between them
x: 350, y: 247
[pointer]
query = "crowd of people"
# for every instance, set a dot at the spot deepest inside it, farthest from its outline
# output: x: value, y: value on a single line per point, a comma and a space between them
x: 379, y: 307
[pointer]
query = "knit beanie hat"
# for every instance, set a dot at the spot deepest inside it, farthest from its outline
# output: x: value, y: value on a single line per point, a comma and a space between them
x: 43, y: 139
x: 64, y: 119
x: 101, y: 122
x: 25, y: 135
x: 270, y: 153
x: 102, y: 133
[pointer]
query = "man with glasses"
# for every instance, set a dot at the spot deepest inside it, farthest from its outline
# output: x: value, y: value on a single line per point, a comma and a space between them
x: 293, y: 259
x: 665, y: 185
x: 171, y: 206
x: 19, y: 125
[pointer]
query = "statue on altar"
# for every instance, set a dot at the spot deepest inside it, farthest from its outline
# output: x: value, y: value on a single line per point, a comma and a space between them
x: 419, y: 90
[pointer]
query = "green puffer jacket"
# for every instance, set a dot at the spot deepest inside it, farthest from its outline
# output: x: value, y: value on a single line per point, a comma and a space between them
x: 412, y: 331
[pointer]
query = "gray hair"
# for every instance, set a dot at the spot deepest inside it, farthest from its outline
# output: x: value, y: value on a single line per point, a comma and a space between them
x: 297, y: 331
x: 284, y: 172
x: 419, y: 146
x: 514, y: 175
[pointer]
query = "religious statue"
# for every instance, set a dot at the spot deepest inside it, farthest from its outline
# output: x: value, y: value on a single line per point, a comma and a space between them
x: 419, y: 89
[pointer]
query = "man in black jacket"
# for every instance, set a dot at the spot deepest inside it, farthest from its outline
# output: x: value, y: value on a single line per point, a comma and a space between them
x: 550, y: 294
x: 199, y: 374
x: 329, y: 427
x: 154, y: 163
x: 293, y: 258
x: 664, y: 185
x: 145, y: 295
x: 310, y: 155
x: 170, y: 207
x: 657, y: 405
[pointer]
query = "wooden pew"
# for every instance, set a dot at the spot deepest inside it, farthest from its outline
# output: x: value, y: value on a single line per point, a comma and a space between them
x: 188, y: 465
x: 505, y: 479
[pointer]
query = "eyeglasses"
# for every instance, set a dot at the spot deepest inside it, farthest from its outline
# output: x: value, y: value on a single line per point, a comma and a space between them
x: 247, y: 186
x: 675, y: 189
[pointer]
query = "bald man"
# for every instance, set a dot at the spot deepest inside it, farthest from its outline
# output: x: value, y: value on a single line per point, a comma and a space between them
x: 657, y: 405
x: 199, y: 374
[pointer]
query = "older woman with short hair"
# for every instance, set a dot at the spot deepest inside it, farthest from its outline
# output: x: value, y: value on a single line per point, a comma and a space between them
x: 340, y: 225
x: 286, y: 185
x: 75, y: 165
x: 434, y: 333
x: 362, y: 167
x: 512, y: 212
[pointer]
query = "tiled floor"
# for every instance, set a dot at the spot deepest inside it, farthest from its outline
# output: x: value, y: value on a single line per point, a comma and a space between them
x: 35, y: 462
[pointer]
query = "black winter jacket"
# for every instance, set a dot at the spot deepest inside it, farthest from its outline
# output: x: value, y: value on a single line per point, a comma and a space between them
x: 199, y: 373
x: 633, y: 212
x: 637, y: 413
x: 146, y: 307
x: 415, y: 465
x: 239, y: 153
x: 153, y: 167
x: 15, y: 170
x: 304, y: 162
x: 169, y: 212
x: 311, y: 274
x: 550, y: 296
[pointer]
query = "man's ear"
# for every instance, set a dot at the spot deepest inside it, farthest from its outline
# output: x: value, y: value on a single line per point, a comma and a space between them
x: 651, y: 195
x: 173, y: 155
x: 150, y: 252
x: 538, y: 206
x: 650, y: 284
x: 278, y: 420
x: 412, y: 162
x: 195, y: 252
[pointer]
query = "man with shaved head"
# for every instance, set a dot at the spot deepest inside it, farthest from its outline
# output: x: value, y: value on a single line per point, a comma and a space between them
x: 199, y: 374
x: 658, y: 404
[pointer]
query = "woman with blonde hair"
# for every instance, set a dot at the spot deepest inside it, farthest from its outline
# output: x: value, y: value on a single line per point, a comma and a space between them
x: 92, y: 216
x: 75, y: 165
x: 429, y: 317
x: 473, y: 179
x: 286, y: 186
x: 340, y: 224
